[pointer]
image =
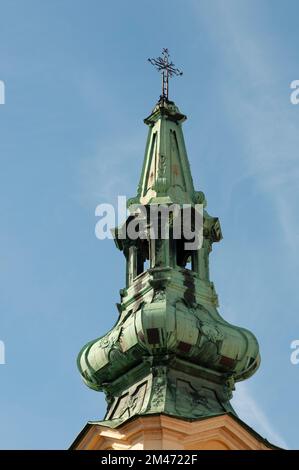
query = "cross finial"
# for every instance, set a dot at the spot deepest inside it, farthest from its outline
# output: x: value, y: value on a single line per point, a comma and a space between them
x: 167, y: 68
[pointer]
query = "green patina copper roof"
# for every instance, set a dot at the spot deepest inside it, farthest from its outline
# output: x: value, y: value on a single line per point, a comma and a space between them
x: 166, y: 175
x: 170, y: 351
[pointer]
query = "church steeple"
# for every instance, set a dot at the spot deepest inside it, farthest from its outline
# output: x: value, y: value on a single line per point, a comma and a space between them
x: 166, y: 175
x: 170, y: 351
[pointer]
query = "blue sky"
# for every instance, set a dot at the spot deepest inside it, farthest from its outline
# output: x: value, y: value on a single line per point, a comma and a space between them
x: 71, y: 136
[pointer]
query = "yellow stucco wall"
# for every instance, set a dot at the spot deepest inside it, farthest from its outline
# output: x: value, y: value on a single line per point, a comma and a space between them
x: 165, y: 432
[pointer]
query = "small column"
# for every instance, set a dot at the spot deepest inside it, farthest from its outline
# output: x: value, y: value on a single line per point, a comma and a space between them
x: 203, y: 260
x: 132, y: 264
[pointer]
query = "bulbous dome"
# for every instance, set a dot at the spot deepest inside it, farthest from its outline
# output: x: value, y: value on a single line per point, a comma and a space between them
x: 165, y: 325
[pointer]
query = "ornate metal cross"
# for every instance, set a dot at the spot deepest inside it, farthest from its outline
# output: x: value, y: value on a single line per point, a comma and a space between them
x: 167, y: 68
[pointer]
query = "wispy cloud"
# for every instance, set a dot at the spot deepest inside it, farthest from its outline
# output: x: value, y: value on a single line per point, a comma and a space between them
x: 257, y: 102
x: 110, y: 171
x: 251, y: 413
